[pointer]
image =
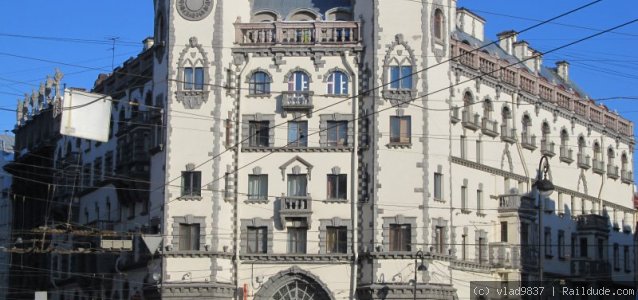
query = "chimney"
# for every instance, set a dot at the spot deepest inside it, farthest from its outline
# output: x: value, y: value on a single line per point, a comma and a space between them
x: 520, y: 49
x: 538, y: 60
x: 562, y: 68
x: 506, y: 40
x: 148, y: 43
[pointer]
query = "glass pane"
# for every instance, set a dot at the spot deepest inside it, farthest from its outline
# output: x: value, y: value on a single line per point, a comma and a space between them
x: 199, y: 78
x: 342, y: 187
x: 406, y: 82
x: 395, y: 129
x: 186, y: 183
x: 197, y: 183
x: 394, y: 78
x: 303, y: 134
x: 188, y: 78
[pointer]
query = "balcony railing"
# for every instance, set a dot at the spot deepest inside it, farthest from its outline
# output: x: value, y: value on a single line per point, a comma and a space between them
x: 592, y: 222
x: 538, y: 86
x: 504, y: 255
x: 566, y: 154
x: 528, y: 141
x: 293, y: 100
x: 514, y: 202
x: 583, y: 161
x: 612, y: 172
x: 471, y: 121
x: 626, y: 176
x: 508, y: 134
x: 294, y: 207
x: 547, y: 148
x: 489, y: 127
x: 101, y: 225
x: 598, y: 166
x: 584, y: 267
x: 298, y: 33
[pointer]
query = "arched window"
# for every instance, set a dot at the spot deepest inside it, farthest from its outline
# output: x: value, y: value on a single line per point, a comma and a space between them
x: 438, y: 24
x: 264, y: 16
x: 545, y: 132
x: 338, y: 83
x: 564, y: 139
x: 506, y: 115
x: 526, y: 122
x: 298, y: 82
x: 488, y: 108
x: 598, y: 154
x: 259, y: 83
x: 581, y: 145
x: 624, y: 162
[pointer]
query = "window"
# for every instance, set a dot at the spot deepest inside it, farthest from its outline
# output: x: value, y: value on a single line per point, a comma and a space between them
x: 482, y: 248
x: 478, y: 152
x: 464, y: 198
x: 259, y: 84
x: 298, y: 134
x: 561, y: 244
x: 616, y: 257
x: 338, y: 186
x: 337, y: 133
x: 257, y: 187
x: 194, y: 78
x: 463, y: 142
x: 108, y: 164
x: 257, y: 239
x: 97, y: 169
x: 401, y: 77
x: 400, y: 129
x: 438, y: 186
x: 297, y: 240
x: 131, y: 210
x: 573, y: 246
x: 626, y: 257
x: 464, y: 247
x: 336, y: 239
x: 86, y: 176
x: 298, y: 82
x: 297, y: 185
x: 479, y: 201
x: 191, y: 183
x: 504, y: 232
x: 439, y: 239
x: 259, y: 134
x: 338, y: 83
x: 188, y: 237
x: 438, y: 24
x: 601, y: 248
x: 583, y: 247
x: 400, y: 237
x: 548, y: 241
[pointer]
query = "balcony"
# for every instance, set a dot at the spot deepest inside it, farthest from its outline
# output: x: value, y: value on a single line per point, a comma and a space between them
x: 296, y: 101
x: 566, y: 154
x: 612, y: 172
x: 101, y: 225
x: 626, y: 176
x: 471, y: 121
x: 508, y: 134
x: 584, y: 267
x: 514, y: 203
x: 528, y: 141
x: 295, y: 207
x: 489, y: 127
x: 547, y: 148
x: 455, y: 115
x: 583, y: 161
x: 298, y: 33
x: 504, y: 255
x: 592, y: 222
x: 598, y: 166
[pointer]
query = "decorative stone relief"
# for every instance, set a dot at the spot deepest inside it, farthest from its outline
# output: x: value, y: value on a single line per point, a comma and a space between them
x: 193, y: 55
x: 194, y: 10
x: 399, y: 97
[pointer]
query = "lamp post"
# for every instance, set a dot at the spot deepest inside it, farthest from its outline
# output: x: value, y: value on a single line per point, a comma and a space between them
x: 544, y: 189
x: 421, y: 267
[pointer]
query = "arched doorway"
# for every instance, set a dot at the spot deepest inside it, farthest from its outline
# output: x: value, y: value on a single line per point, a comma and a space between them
x: 294, y: 284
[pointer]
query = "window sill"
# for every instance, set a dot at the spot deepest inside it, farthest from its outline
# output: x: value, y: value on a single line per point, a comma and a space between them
x: 257, y: 201
x: 438, y: 200
x: 466, y: 211
x: 335, y: 200
x: 297, y: 149
x: 480, y: 214
x: 259, y: 96
x: 399, y: 145
x: 190, y: 198
x: 336, y: 95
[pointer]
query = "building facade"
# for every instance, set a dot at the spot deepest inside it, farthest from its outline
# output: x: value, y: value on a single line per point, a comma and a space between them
x: 6, y: 155
x: 319, y: 150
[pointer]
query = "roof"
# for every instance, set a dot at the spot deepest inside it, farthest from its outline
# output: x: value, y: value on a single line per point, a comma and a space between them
x: 494, y: 49
x: 6, y: 143
x: 285, y: 7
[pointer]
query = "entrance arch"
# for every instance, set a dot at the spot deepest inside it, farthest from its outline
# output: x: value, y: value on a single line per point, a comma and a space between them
x: 294, y: 284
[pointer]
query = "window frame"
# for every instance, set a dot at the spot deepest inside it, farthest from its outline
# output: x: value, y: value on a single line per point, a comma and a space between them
x: 401, y: 77
x: 300, y: 134
x: 262, y: 187
x: 299, y: 190
x: 189, y: 178
x: 399, y: 134
x: 400, y: 237
x: 259, y: 134
x: 257, y: 237
x: 259, y: 84
x: 297, y: 240
x: 438, y: 186
x: 337, y: 133
x: 193, y: 79
x: 189, y: 236
x: 338, y: 83
x: 336, y: 239
x: 335, y: 191
x: 298, y: 81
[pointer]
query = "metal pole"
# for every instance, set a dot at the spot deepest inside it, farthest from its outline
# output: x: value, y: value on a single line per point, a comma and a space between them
x: 415, y: 270
x: 540, y: 235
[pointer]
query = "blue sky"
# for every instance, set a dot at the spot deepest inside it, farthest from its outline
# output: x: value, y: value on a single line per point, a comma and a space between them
x: 604, y: 66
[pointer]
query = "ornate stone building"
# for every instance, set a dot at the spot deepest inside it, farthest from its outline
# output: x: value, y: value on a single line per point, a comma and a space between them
x: 309, y: 149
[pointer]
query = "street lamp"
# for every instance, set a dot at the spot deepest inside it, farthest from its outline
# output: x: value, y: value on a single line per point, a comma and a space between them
x: 421, y: 267
x: 544, y: 187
